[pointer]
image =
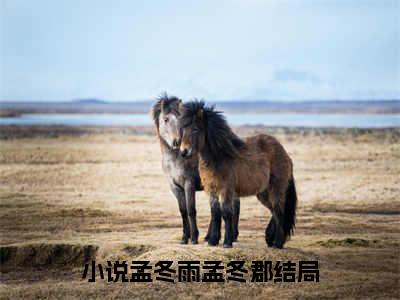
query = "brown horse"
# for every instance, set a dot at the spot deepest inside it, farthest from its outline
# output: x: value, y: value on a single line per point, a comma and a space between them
x: 230, y: 167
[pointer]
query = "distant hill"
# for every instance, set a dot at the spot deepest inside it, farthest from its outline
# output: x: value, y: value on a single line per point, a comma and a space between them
x: 89, y: 101
x: 332, y: 106
x: 234, y: 106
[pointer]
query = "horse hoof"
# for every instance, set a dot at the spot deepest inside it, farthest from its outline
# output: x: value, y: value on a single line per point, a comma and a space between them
x: 195, y: 242
x: 184, y: 242
x: 269, y: 244
x: 206, y: 238
x: 212, y: 243
x: 227, y: 245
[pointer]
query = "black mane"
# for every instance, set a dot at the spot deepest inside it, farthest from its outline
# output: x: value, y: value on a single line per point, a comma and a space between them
x: 166, y: 104
x: 222, y: 143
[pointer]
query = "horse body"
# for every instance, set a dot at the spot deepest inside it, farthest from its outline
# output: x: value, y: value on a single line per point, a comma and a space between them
x: 231, y: 167
x: 262, y: 158
x: 179, y: 170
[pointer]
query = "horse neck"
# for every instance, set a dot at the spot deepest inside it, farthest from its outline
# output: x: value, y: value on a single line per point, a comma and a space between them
x: 206, y: 159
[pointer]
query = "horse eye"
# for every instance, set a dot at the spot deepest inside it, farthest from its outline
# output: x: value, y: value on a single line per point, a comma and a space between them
x: 166, y: 120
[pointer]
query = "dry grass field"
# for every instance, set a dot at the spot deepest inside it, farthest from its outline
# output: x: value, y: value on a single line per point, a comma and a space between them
x: 103, y: 196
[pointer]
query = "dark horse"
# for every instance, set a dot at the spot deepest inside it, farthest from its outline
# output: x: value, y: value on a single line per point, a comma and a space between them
x: 230, y: 167
x: 182, y: 173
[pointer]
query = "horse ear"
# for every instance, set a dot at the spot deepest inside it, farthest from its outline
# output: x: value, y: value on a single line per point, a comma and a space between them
x: 200, y: 114
x: 162, y: 105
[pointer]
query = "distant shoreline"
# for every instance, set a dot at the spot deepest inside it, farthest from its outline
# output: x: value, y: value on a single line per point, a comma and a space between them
x: 9, y: 114
x: 17, y: 114
x: 250, y: 107
x: 54, y: 131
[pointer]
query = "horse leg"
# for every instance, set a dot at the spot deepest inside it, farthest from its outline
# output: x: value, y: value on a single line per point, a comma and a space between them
x: 214, y: 234
x: 278, y: 217
x: 190, y: 191
x: 270, y: 232
x: 180, y: 196
x: 270, y: 229
x: 227, y: 215
x: 207, y: 237
x: 236, y: 213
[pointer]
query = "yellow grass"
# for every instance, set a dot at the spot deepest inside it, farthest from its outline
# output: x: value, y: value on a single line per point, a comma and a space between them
x: 60, y: 197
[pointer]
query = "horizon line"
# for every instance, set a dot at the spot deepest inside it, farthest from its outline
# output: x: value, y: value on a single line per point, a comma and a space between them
x: 110, y: 101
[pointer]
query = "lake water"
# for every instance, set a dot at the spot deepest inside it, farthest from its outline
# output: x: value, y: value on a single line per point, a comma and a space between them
x: 276, y: 119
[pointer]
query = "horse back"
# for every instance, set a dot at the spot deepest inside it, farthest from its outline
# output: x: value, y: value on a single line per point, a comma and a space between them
x: 262, y: 159
x: 273, y: 150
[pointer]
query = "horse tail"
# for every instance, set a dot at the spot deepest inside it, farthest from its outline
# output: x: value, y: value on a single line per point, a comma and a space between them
x: 289, y: 216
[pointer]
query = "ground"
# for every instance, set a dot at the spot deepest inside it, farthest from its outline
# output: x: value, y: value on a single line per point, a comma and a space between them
x: 67, y: 198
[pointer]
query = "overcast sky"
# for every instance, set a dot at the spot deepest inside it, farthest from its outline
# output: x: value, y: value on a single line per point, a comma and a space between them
x: 243, y: 49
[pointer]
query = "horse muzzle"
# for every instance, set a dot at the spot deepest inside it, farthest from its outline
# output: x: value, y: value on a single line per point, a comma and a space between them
x: 186, y: 153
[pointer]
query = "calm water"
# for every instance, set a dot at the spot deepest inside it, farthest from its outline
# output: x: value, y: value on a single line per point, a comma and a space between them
x: 306, y: 120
